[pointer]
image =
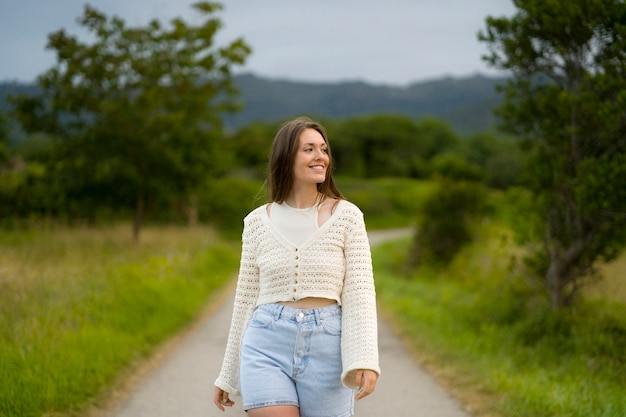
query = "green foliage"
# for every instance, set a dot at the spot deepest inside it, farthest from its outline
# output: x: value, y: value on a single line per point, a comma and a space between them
x: 136, y: 113
x: 496, y: 337
x: 388, y: 145
x: 386, y: 202
x: 378, y: 146
x: 79, y: 307
x: 455, y: 167
x: 603, y: 194
x: 22, y: 192
x: 568, y: 101
x: 499, y: 157
x: 250, y: 146
x: 225, y: 202
x: 428, y: 147
x: 445, y: 223
x: 4, y: 139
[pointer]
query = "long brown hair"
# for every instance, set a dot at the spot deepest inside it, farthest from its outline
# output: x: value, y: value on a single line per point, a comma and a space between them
x: 281, y: 159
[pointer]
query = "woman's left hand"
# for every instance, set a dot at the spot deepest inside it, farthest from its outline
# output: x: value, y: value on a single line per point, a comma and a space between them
x: 365, y: 382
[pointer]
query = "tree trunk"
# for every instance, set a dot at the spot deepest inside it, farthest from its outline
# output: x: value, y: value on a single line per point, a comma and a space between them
x: 139, y: 214
x: 564, y: 269
x: 191, y: 211
x: 556, y: 284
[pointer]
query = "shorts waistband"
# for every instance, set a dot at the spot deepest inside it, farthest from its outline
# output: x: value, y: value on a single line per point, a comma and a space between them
x: 280, y: 311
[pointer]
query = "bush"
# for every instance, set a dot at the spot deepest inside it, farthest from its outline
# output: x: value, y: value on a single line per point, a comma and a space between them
x: 386, y: 202
x: 455, y: 167
x: 445, y: 223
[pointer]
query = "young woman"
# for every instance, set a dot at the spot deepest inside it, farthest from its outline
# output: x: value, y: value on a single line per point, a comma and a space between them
x: 303, y: 336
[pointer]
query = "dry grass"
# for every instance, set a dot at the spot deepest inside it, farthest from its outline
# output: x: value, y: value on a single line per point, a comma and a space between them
x: 613, y: 284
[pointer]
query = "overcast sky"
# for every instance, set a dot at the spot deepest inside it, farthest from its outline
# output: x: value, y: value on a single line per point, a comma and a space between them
x: 392, y: 42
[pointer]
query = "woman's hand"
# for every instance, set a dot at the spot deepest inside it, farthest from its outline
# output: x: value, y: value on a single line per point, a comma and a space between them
x: 365, y: 382
x: 221, y: 399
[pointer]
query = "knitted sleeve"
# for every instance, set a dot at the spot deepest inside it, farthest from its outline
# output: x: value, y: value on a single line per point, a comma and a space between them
x: 246, y: 295
x: 359, y: 335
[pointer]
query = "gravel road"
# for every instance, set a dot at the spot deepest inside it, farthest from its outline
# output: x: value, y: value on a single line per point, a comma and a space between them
x: 179, y: 380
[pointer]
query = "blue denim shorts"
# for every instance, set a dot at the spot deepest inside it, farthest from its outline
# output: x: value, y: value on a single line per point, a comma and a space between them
x: 293, y: 357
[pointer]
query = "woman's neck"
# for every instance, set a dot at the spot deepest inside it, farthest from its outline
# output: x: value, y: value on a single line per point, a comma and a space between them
x: 303, y: 198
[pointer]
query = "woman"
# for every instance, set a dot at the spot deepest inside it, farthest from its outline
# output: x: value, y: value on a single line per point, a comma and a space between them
x: 303, y: 336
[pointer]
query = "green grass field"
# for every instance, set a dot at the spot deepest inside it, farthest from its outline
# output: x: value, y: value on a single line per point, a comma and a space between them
x: 79, y: 306
x: 493, y: 340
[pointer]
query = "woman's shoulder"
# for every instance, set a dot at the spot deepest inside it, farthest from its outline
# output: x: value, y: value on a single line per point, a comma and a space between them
x: 255, y: 214
x: 348, y: 207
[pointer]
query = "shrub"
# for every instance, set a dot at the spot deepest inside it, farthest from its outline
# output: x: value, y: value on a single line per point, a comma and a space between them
x: 445, y: 223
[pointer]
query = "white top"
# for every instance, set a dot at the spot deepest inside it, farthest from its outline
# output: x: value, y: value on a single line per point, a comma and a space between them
x: 297, y: 225
x: 335, y: 262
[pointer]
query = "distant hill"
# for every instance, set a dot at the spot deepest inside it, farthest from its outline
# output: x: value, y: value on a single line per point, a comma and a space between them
x: 466, y: 103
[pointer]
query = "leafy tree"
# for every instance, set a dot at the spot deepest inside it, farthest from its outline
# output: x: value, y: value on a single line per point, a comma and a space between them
x: 374, y: 146
x: 388, y: 145
x: 500, y: 158
x: 567, y: 99
x: 137, y: 112
x: 250, y: 146
x: 435, y: 136
x: 4, y: 138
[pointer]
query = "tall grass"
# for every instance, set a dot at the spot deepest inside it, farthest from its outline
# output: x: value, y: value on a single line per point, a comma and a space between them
x: 612, y: 286
x: 78, y: 306
x: 493, y: 338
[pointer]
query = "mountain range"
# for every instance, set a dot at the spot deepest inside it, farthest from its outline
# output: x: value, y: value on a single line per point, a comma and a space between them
x: 465, y: 103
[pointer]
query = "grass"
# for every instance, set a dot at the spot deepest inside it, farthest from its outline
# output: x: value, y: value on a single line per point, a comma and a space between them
x: 78, y: 306
x: 612, y: 286
x: 493, y: 339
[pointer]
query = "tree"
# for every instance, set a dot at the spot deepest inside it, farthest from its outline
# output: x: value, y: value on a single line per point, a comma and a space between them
x: 500, y: 158
x: 4, y: 139
x: 567, y: 99
x: 387, y: 145
x: 250, y: 146
x: 136, y: 113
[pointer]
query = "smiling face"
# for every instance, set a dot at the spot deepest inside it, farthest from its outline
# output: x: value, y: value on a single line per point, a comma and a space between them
x: 311, y: 160
x: 300, y: 157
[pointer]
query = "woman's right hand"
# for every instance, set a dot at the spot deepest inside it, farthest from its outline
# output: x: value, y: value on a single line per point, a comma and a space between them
x: 221, y: 399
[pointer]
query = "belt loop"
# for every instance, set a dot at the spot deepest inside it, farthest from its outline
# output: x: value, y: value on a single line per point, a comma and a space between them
x: 279, y: 310
x: 318, y: 321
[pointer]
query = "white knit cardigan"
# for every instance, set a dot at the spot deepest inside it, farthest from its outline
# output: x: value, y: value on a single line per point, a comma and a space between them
x: 334, y: 263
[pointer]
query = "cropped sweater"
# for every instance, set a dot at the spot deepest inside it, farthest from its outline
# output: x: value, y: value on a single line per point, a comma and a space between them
x: 335, y: 263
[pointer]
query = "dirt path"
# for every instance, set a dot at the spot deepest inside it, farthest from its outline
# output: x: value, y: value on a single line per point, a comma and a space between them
x: 181, y: 383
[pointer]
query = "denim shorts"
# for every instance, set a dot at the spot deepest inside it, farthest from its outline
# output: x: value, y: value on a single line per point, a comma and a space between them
x: 293, y: 357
